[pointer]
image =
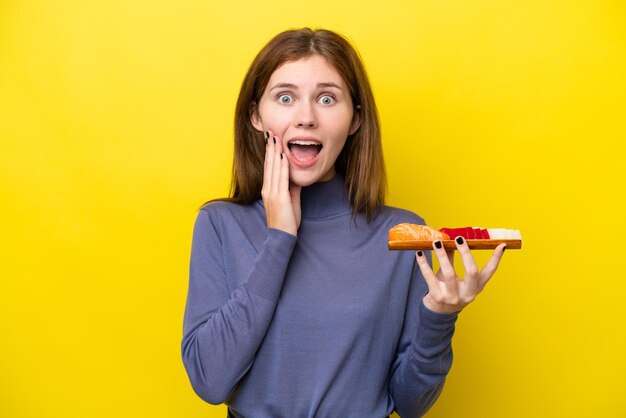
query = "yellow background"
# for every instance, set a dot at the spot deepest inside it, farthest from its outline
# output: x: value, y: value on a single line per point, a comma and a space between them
x: 116, y: 124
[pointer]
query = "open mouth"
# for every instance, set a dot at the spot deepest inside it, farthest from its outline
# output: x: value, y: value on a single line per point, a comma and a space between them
x: 304, y: 150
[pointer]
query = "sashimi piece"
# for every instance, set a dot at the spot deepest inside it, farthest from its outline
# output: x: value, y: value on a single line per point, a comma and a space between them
x: 482, y: 233
x: 454, y: 232
x: 503, y: 233
x: 415, y: 232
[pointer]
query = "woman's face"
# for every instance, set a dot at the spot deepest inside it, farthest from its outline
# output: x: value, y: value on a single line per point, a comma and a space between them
x: 308, y: 106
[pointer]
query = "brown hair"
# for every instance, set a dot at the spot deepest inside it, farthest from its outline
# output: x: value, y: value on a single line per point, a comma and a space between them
x: 361, y: 160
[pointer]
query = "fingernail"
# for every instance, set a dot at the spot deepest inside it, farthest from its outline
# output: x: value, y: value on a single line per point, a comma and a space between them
x: 420, y: 253
x: 274, y: 140
x: 267, y: 136
x: 459, y: 240
x: 438, y: 244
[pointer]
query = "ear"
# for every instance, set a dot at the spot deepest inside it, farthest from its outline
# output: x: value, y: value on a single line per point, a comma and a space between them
x: 356, y: 120
x: 255, y: 118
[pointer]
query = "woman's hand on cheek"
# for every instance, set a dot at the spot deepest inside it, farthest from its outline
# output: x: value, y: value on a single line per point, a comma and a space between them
x: 280, y: 198
x: 447, y: 292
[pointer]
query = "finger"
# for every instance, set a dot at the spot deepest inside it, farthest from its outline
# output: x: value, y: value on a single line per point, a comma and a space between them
x: 278, y: 144
x: 469, y: 264
x: 267, y: 136
x: 284, y: 173
x: 276, y: 164
x: 450, y: 254
x: 294, y: 191
x: 427, y: 272
x: 269, y: 160
x: 294, y: 195
x: 447, y: 269
x: 492, y: 265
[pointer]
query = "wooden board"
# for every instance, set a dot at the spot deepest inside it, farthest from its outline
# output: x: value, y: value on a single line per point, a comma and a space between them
x: 473, y: 244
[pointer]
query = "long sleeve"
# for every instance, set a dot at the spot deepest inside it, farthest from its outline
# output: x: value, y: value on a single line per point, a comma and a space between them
x: 424, y: 355
x: 223, y: 328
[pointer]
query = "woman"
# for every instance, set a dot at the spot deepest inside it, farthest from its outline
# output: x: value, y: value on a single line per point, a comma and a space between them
x: 296, y: 308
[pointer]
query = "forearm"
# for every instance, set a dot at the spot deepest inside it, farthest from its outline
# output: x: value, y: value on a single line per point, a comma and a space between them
x: 219, y: 346
x: 217, y: 354
x: 417, y: 383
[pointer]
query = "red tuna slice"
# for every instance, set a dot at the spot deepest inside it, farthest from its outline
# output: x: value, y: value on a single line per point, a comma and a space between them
x: 467, y: 232
x: 454, y: 232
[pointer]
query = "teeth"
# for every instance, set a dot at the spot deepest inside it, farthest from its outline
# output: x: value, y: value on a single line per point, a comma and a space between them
x: 299, y: 142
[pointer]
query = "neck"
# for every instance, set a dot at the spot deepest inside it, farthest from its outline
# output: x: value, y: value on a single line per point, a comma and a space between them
x: 325, y: 199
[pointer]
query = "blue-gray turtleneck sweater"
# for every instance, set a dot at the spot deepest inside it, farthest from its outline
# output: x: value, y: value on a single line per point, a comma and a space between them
x: 326, y: 324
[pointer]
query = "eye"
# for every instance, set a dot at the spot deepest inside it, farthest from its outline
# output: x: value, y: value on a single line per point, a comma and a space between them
x: 285, y: 99
x: 327, y: 100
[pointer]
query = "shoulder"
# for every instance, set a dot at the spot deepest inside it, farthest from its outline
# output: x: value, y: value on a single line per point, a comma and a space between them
x: 392, y: 216
x: 217, y: 207
x: 222, y: 208
x: 221, y: 213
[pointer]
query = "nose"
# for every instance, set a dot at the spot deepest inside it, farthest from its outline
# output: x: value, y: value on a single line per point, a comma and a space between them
x: 306, y: 117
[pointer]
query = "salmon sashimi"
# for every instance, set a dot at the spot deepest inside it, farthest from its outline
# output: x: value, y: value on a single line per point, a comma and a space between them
x: 415, y: 232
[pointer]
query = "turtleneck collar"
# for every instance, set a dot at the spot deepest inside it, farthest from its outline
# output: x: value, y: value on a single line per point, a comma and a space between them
x: 325, y: 199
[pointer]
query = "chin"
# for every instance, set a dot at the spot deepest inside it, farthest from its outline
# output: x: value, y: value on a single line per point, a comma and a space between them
x: 304, y: 179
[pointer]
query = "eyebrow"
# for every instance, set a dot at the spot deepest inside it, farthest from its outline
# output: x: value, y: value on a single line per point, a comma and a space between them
x: 293, y: 86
